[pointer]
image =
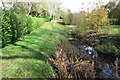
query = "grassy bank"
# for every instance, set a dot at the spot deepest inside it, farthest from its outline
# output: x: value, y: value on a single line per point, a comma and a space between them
x: 15, y: 26
x: 28, y: 58
x: 110, y: 40
x: 105, y: 40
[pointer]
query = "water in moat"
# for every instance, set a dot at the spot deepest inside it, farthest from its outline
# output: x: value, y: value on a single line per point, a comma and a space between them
x: 107, y: 70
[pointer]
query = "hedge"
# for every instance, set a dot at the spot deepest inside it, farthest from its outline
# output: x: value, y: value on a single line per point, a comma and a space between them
x: 15, y: 26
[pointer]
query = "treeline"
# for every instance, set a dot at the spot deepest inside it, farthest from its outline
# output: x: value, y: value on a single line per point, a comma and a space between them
x: 40, y: 8
x: 113, y: 9
x: 98, y: 17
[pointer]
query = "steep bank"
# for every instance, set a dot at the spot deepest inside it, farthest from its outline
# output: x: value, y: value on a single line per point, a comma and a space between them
x: 28, y: 58
x: 77, y: 59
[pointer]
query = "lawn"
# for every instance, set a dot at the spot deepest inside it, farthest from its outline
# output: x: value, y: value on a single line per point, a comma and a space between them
x: 28, y: 58
x: 113, y: 29
x: 116, y: 29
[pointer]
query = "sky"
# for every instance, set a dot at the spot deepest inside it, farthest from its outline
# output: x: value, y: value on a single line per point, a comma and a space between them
x: 76, y: 5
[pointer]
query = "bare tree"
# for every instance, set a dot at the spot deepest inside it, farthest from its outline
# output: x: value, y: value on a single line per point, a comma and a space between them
x: 54, y: 6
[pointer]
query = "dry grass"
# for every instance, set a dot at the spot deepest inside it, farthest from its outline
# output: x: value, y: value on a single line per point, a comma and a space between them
x: 117, y: 64
x: 69, y: 64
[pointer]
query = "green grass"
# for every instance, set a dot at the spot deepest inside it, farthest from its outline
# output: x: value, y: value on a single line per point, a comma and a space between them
x: 110, y: 41
x: 113, y: 29
x: 116, y: 29
x: 15, y: 26
x: 107, y: 41
x: 28, y: 58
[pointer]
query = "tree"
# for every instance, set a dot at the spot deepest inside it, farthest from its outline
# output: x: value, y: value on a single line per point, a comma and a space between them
x: 93, y: 20
x: 75, y: 19
x: 113, y: 8
x: 65, y: 17
x: 21, y: 7
x: 110, y: 6
x: 39, y: 9
x: 6, y: 5
x: 82, y: 19
x: 97, y: 18
x: 115, y: 14
x: 54, y: 7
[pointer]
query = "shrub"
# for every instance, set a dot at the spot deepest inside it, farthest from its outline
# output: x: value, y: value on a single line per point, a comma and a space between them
x: 8, y: 27
x: 15, y: 25
x: 67, y: 17
x: 94, y: 20
x: 98, y: 18
x: 23, y: 25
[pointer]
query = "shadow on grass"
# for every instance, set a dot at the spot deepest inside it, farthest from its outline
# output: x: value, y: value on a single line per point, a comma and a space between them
x: 61, y: 23
x: 104, y: 43
x: 109, y: 38
x: 116, y: 26
x: 36, y: 54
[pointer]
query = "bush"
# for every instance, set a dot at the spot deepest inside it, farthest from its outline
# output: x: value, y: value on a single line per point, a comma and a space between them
x: 15, y: 25
x: 8, y: 27
x: 67, y: 17
x: 98, y: 18
x: 23, y: 25
x: 94, y: 20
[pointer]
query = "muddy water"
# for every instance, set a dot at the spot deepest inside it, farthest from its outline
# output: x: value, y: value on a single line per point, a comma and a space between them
x: 105, y: 67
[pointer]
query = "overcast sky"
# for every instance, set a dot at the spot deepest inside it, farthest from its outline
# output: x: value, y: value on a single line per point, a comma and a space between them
x: 73, y: 5
x: 76, y: 5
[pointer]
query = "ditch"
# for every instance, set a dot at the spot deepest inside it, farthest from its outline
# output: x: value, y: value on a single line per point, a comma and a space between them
x: 82, y: 61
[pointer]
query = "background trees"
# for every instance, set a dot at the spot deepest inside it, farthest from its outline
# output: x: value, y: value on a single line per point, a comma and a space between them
x: 39, y: 9
x: 115, y: 14
x: 21, y: 7
x: 67, y: 17
x: 114, y: 11
x: 101, y: 16
x: 89, y: 20
x: 55, y: 8
x: 97, y: 18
